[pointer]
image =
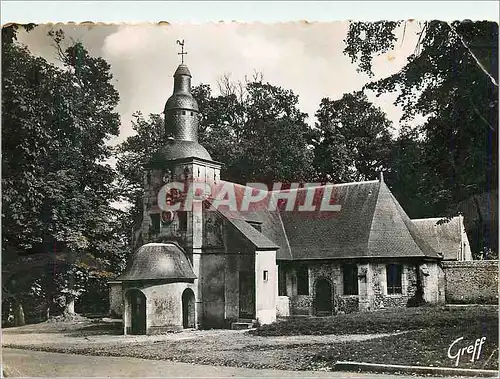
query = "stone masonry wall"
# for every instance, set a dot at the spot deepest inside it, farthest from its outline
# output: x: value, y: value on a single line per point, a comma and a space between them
x: 346, y: 304
x: 380, y: 298
x: 163, y: 306
x: 471, y: 282
x: 115, y: 299
x: 372, y: 287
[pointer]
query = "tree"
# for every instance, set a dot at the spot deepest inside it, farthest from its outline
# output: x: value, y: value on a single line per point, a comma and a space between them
x: 274, y: 138
x: 132, y: 155
x: 221, y: 120
x: 354, y: 141
x: 254, y: 129
x: 57, y: 189
x: 452, y: 79
x: 262, y: 130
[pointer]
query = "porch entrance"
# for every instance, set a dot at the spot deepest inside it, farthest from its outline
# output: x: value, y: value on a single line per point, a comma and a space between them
x: 137, y: 302
x: 247, y: 294
x: 188, y: 310
x: 323, y: 299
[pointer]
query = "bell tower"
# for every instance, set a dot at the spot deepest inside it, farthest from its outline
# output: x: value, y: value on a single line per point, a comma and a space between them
x: 181, y: 110
x: 180, y: 162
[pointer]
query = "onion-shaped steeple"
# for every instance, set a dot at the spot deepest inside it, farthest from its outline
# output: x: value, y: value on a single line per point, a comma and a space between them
x: 181, y: 109
x: 181, y: 123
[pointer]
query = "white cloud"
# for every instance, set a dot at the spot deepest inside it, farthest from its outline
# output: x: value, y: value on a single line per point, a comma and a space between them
x: 304, y: 57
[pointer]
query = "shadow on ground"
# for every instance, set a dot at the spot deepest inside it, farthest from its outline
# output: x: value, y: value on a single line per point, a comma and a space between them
x: 89, y: 327
x: 108, y: 328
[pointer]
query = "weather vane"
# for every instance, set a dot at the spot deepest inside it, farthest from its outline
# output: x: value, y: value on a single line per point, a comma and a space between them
x: 182, y: 53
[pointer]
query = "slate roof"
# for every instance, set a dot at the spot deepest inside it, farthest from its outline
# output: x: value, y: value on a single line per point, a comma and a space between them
x: 326, y: 235
x: 158, y: 261
x: 392, y: 232
x: 369, y: 224
x: 272, y: 234
x: 178, y: 149
x: 445, y: 238
x: 181, y: 97
x: 182, y: 69
x: 269, y: 220
x: 259, y: 240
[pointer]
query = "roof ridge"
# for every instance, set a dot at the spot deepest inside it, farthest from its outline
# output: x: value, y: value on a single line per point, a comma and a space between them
x: 353, y: 183
x: 414, y: 234
x: 249, y: 233
x: 433, y: 218
x: 390, y: 214
x: 327, y: 185
x: 373, y: 217
x: 285, y: 234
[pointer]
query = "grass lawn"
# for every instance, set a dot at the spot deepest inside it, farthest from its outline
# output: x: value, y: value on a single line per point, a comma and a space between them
x: 430, y: 331
x: 416, y: 336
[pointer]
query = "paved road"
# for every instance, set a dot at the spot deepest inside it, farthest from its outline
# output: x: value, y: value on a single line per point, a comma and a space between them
x: 23, y: 363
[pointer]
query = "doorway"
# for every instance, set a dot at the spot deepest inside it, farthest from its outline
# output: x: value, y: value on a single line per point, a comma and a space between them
x: 247, y: 294
x: 323, y: 300
x: 188, y: 309
x: 137, y: 301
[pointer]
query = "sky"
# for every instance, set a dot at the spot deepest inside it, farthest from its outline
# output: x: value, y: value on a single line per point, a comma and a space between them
x: 304, y: 57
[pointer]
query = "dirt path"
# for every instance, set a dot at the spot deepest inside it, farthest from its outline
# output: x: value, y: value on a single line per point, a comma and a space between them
x: 213, y: 347
x: 22, y: 336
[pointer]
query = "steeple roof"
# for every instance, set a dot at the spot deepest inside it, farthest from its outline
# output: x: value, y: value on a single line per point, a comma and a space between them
x: 182, y: 99
x: 173, y: 150
x: 182, y: 70
x: 370, y: 224
x: 181, y: 124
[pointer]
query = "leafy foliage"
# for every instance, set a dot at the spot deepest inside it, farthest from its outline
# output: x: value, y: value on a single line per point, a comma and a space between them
x: 354, y: 139
x: 258, y: 134
x: 365, y: 39
x: 452, y: 157
x: 57, y: 188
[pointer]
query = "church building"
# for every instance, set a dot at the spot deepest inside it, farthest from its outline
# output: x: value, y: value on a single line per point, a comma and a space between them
x: 210, y: 267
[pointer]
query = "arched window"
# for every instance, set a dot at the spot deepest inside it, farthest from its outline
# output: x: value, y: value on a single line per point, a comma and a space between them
x: 188, y: 309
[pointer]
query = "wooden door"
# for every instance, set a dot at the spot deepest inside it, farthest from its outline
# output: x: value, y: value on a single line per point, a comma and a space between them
x: 323, y: 298
x: 247, y: 294
x: 138, y: 312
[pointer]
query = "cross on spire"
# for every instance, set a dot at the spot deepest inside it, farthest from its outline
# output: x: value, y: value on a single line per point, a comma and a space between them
x: 182, y: 53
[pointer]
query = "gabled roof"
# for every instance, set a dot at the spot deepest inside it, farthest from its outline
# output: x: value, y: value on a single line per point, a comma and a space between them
x: 259, y: 240
x: 392, y: 232
x: 445, y: 238
x: 272, y: 231
x: 155, y: 261
x: 331, y: 234
x: 369, y: 224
